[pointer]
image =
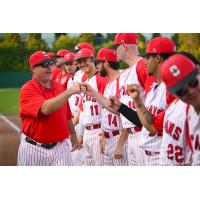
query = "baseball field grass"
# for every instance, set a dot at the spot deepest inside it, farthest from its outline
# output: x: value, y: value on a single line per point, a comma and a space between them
x: 9, y: 101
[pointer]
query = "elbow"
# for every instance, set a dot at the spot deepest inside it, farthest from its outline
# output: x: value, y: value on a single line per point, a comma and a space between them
x: 44, y: 110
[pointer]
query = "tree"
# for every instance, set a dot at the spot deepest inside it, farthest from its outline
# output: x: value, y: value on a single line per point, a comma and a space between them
x: 189, y: 42
x: 11, y: 39
x: 86, y: 37
x: 35, y: 42
x: 65, y: 42
x: 155, y: 35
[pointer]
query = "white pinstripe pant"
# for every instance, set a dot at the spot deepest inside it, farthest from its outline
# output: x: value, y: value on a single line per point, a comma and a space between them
x: 32, y: 155
x: 151, y: 160
x: 91, y: 148
x: 110, y: 146
x: 135, y: 153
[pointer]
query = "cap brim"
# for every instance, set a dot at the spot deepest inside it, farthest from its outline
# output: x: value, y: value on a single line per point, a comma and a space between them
x: 114, y: 46
x: 47, y: 60
x: 144, y: 55
x: 183, y: 82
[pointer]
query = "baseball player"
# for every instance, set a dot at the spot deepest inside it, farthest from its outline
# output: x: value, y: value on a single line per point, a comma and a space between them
x: 157, y: 100
x: 111, y: 123
x: 182, y: 78
x: 46, y: 117
x: 126, y: 48
x: 91, y: 109
x: 84, y: 45
x: 59, y: 74
x: 71, y: 68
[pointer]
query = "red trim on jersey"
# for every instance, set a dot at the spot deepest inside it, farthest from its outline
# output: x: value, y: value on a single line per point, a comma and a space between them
x: 158, y: 122
x: 145, y: 80
x: 187, y: 134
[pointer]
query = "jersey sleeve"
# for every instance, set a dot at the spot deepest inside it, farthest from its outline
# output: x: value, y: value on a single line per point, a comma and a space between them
x: 31, y: 101
x: 101, y: 83
x: 158, y: 122
x: 145, y: 80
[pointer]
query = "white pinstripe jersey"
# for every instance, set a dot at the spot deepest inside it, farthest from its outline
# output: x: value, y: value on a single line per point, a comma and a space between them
x: 128, y: 76
x: 194, y: 130
x: 174, y: 148
x: 91, y: 107
x: 156, y: 101
x: 110, y: 121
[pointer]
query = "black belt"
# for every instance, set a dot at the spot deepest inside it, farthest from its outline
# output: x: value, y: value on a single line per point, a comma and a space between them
x: 46, y: 146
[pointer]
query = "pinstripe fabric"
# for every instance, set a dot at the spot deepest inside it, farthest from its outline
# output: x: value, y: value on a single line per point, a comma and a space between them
x: 91, y: 148
x: 31, y: 155
x: 135, y: 152
x: 110, y: 146
x: 152, y: 160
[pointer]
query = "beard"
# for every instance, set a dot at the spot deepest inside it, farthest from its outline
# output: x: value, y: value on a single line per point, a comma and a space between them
x: 103, y: 72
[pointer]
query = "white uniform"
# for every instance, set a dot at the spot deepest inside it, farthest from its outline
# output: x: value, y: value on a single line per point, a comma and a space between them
x: 156, y: 102
x: 111, y: 126
x: 194, y: 130
x: 135, y: 153
x: 77, y: 155
x: 92, y: 124
x: 174, y: 148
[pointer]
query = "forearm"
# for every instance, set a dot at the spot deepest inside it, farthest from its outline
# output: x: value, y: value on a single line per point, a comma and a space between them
x: 55, y: 103
x: 71, y: 128
x: 75, y: 120
x: 104, y: 102
x: 123, y: 137
x: 145, y: 116
x: 130, y: 114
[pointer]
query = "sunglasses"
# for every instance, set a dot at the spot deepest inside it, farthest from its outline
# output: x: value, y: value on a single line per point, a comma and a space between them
x: 69, y: 63
x: 45, y: 65
x: 84, y: 60
x: 192, y: 84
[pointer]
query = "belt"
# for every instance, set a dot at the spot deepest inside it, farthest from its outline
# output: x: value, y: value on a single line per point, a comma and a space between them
x: 136, y: 129
x: 46, y: 146
x: 95, y: 126
x: 149, y: 153
x: 110, y: 134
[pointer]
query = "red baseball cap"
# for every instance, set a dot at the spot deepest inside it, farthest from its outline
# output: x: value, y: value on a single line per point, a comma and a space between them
x: 177, y: 71
x: 84, y: 45
x: 160, y: 45
x: 38, y: 57
x: 62, y: 52
x: 51, y: 54
x: 69, y: 57
x: 124, y: 38
x: 105, y: 54
x: 84, y: 53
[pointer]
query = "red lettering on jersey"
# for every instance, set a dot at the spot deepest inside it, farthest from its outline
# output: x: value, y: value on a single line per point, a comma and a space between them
x: 172, y: 130
x: 177, y: 133
x: 76, y: 101
x: 175, y: 153
x: 131, y: 104
x: 112, y: 119
x: 94, y: 110
x: 89, y: 98
x: 154, y: 110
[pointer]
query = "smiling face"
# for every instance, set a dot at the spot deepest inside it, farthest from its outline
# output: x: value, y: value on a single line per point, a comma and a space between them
x: 71, y: 67
x: 86, y: 65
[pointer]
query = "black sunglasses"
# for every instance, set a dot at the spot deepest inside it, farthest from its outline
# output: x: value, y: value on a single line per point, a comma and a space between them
x: 45, y: 65
x: 183, y: 91
x: 69, y: 63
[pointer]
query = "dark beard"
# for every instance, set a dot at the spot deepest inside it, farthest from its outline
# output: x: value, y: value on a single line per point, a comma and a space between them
x: 103, y: 72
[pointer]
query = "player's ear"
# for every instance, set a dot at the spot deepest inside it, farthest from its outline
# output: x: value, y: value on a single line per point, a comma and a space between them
x: 158, y: 58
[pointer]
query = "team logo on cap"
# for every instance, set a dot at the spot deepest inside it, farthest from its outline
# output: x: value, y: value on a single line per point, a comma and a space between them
x: 174, y: 70
x: 77, y: 47
x: 44, y: 53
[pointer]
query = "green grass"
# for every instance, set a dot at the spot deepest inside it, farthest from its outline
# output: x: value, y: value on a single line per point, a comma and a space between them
x: 9, y: 101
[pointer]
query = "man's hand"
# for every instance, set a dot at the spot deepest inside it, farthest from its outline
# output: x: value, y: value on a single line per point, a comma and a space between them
x: 74, y: 89
x: 80, y: 141
x: 118, y: 153
x: 87, y: 89
x: 102, y: 143
x: 114, y: 103
x: 134, y: 91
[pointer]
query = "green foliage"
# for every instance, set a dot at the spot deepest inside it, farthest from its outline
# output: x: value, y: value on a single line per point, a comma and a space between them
x: 35, y: 42
x: 65, y: 42
x: 86, y: 37
x: 155, y: 35
x: 189, y: 42
x: 9, y: 101
x: 11, y: 40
